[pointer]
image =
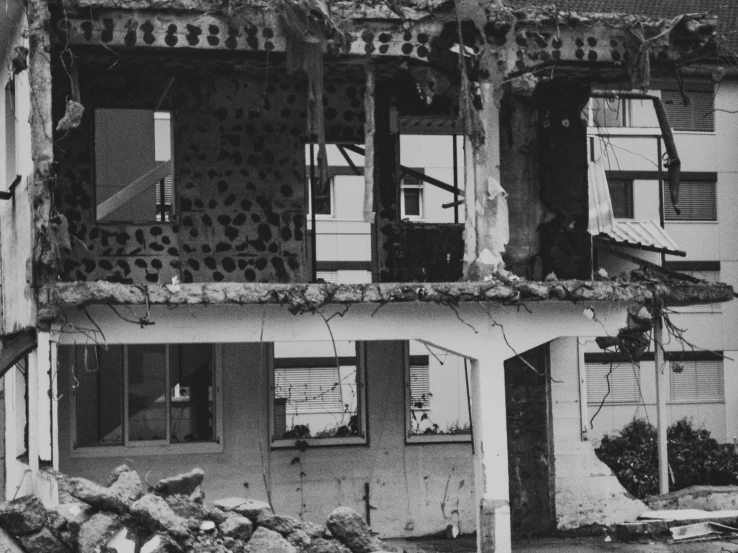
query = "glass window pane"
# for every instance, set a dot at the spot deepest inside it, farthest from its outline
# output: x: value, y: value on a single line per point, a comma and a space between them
x: 313, y: 397
x: 438, y: 393
x: 608, y: 112
x: 191, y: 380
x: 146, y: 392
x: 99, y: 394
x: 412, y: 201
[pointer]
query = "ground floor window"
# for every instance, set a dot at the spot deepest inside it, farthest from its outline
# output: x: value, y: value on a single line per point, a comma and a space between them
x: 317, y: 393
x: 437, y: 395
x: 143, y: 394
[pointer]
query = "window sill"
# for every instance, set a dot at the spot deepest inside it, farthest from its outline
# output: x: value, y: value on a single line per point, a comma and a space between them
x: 696, y: 402
x: 426, y: 439
x: 148, y: 449
x: 319, y: 442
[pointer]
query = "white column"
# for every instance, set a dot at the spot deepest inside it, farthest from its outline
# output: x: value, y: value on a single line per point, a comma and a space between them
x: 662, y: 389
x: 490, y: 455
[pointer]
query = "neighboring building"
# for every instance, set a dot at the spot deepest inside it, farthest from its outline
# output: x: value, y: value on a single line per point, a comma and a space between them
x: 159, y: 296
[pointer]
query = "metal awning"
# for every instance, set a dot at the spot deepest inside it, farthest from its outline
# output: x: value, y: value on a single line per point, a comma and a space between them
x: 644, y: 235
x: 16, y: 346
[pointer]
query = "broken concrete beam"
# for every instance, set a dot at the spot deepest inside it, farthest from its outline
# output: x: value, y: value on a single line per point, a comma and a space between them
x: 301, y: 298
x: 633, y: 531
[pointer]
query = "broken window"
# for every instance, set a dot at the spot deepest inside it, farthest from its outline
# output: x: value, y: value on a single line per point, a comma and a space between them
x: 621, y: 196
x: 147, y: 394
x: 318, y: 392
x: 10, y: 134
x: 696, y: 381
x: 133, y: 166
x: 697, y: 201
x: 437, y: 395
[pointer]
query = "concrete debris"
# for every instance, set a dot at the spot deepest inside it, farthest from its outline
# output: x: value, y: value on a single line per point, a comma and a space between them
x: 632, y: 531
x: 72, y: 117
x: 184, y: 484
x: 707, y: 498
x: 699, y: 530
x: 121, y: 518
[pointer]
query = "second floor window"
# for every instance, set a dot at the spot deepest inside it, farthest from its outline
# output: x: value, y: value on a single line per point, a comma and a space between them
x: 412, y: 198
x: 698, y: 116
x: 697, y: 202
x: 133, y: 166
x: 621, y: 196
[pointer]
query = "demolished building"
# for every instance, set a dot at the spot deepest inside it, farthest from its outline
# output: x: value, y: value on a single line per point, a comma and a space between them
x: 157, y: 287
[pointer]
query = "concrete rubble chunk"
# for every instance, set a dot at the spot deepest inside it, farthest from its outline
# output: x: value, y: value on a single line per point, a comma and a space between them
x: 43, y: 541
x: 632, y: 531
x: 322, y: 545
x: 24, y: 515
x: 350, y: 529
x: 96, y: 495
x: 184, y: 484
x: 126, y: 483
x: 315, y: 530
x: 198, y: 495
x: 76, y: 514
x: 97, y: 532
x: 268, y: 541
x: 152, y: 511
x: 8, y: 543
x: 161, y: 543
x: 237, y: 527
x: 249, y: 508
x: 299, y: 539
x: 121, y: 542
x: 279, y: 523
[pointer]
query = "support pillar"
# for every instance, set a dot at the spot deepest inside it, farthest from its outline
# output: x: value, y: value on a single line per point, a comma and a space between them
x: 662, y: 389
x: 491, y: 482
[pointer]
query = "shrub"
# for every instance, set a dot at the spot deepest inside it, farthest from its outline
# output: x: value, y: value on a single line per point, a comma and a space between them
x: 695, y: 458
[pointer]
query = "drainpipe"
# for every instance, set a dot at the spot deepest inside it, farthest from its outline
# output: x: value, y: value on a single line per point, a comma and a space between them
x: 673, y: 163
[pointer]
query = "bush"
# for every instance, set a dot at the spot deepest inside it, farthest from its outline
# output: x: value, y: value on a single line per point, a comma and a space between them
x: 694, y: 458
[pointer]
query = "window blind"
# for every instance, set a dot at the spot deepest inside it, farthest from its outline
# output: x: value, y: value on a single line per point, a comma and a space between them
x: 309, y: 390
x: 420, y: 387
x: 696, y: 381
x: 698, y: 116
x: 623, y: 379
x: 621, y: 196
x: 697, y: 202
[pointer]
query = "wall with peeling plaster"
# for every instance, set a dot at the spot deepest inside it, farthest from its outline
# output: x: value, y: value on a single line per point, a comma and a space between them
x: 238, y: 175
x: 414, y: 489
x: 587, y: 492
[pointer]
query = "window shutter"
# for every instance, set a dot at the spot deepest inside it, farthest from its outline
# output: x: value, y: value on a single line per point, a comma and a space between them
x: 698, y: 116
x: 420, y: 386
x: 698, y: 381
x: 623, y: 383
x: 697, y: 202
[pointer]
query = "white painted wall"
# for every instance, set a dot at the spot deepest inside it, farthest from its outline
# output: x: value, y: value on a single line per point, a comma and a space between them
x: 587, y: 492
x: 703, y: 241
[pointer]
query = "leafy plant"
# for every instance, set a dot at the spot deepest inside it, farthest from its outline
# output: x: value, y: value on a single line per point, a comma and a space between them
x: 695, y: 458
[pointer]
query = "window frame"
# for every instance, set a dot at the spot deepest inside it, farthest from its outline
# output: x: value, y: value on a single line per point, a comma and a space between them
x: 344, y: 441
x: 158, y: 447
x: 173, y: 206
x: 629, y: 194
x: 704, y: 88
x: 421, y: 193
x: 425, y: 439
x: 634, y: 371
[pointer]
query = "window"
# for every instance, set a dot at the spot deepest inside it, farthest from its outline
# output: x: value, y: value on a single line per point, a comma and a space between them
x: 323, y: 198
x: 144, y: 395
x: 621, y: 196
x: 10, y: 134
x: 437, y: 397
x: 696, y: 381
x: 609, y: 112
x: 697, y: 202
x: 699, y: 115
x: 612, y: 382
x: 318, y: 393
x: 411, y: 200
x: 133, y: 166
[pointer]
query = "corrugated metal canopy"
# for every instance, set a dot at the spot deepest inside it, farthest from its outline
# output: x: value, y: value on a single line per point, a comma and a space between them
x: 645, y: 235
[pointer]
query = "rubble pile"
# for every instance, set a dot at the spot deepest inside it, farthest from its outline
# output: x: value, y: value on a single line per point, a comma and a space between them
x: 171, y: 517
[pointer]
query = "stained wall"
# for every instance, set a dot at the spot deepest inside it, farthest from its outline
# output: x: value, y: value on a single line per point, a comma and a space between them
x: 240, y: 193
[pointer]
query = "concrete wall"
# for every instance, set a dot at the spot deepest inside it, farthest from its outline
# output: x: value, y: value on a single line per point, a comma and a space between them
x: 587, y: 492
x: 415, y: 489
